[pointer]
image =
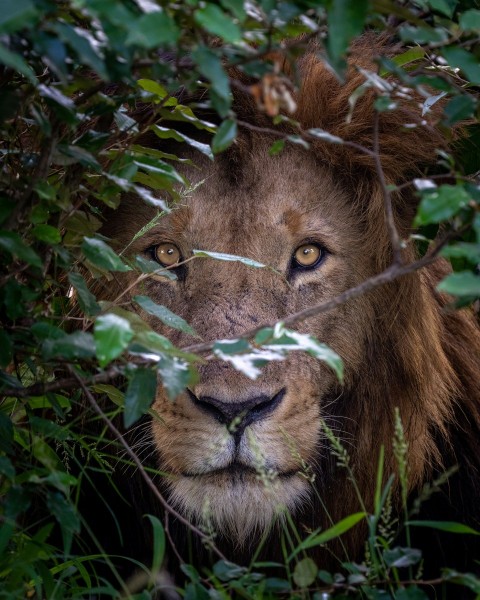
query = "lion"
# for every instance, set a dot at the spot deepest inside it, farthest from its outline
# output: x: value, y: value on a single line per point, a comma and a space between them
x: 238, y: 453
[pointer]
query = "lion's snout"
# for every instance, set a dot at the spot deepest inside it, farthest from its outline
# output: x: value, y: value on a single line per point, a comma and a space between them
x: 238, y: 415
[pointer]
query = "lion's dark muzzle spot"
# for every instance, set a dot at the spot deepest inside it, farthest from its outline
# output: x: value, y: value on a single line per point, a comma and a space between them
x: 238, y: 415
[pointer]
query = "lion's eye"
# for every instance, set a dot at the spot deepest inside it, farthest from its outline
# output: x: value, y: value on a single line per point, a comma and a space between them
x: 166, y: 254
x: 308, y: 255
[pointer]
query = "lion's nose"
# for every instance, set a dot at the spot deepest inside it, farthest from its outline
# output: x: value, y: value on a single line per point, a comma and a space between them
x: 238, y: 415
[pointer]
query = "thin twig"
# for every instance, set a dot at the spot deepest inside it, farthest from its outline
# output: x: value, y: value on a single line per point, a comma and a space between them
x: 387, y: 198
x: 118, y: 436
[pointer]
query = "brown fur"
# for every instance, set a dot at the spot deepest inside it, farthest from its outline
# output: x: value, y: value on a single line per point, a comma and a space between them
x: 401, y: 348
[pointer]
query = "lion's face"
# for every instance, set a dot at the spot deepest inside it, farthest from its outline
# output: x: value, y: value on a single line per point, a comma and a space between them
x: 237, y: 449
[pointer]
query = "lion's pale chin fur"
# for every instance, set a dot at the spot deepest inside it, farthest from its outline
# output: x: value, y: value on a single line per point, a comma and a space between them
x: 238, y: 507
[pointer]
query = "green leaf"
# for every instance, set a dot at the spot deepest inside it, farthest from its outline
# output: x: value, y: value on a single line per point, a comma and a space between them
x: 225, y: 136
x: 470, y: 20
x: 459, y: 108
x: 230, y: 347
x: 212, y: 18
x: 411, y: 592
x: 158, y: 543
x: 70, y: 347
x: 153, y: 29
x: 441, y: 203
x: 450, y: 526
x: 112, y: 335
x: 422, y: 35
x: 13, y: 243
x: 276, y: 147
x: 345, y: 21
x: 464, y: 283
x: 305, y: 572
x: 85, y: 45
x: 324, y: 135
x: 229, y: 258
x: 86, y: 299
x: 47, y: 233
x: 226, y: 571
x: 140, y: 394
x: 165, y: 133
x: 16, y: 62
x: 102, y: 256
x: 164, y: 314
x: 66, y: 516
x: 317, y: 539
x: 176, y: 375
x: 464, y: 60
x: 211, y: 67
x: 402, y: 557
x: 446, y: 7
x: 16, y: 14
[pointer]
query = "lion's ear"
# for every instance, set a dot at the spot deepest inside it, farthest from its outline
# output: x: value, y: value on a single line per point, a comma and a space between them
x: 408, y: 140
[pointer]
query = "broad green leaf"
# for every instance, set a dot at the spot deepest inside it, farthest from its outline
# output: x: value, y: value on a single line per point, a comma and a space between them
x: 16, y: 62
x: 446, y: 7
x: 459, y: 108
x: 402, y: 557
x: 70, y: 347
x: 102, y: 256
x: 158, y: 543
x: 226, y: 570
x: 231, y: 347
x: 16, y: 14
x: 450, y: 526
x: 86, y: 299
x: 470, y: 252
x: 465, y: 61
x: 164, y: 314
x: 85, y: 45
x: 440, y: 204
x: 317, y: 539
x: 165, y: 133
x: 345, y: 20
x: 225, y: 136
x: 211, y: 67
x: 13, y: 243
x: 470, y: 20
x: 229, y: 258
x: 152, y: 30
x: 464, y: 283
x: 112, y: 335
x: 6, y: 348
x: 66, y: 516
x: 422, y: 35
x: 305, y: 572
x: 140, y: 394
x: 212, y: 18
x: 47, y: 233
x: 176, y: 375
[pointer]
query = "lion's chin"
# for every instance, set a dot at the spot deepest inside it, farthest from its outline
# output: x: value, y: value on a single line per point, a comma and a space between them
x: 238, y: 503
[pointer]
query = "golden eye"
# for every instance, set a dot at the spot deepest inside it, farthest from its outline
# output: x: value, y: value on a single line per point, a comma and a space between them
x: 307, y: 255
x: 167, y: 254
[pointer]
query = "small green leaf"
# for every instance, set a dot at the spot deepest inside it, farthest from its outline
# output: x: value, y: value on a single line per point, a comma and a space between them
x: 464, y: 283
x: 166, y: 133
x: 464, y: 60
x: 112, y: 335
x: 445, y: 7
x: 225, y: 136
x: 230, y: 347
x: 422, y: 35
x: 176, y: 375
x: 164, y: 314
x: 102, y: 256
x: 276, y: 147
x: 70, y: 347
x: 226, y: 571
x: 210, y: 65
x: 450, y: 526
x: 86, y: 299
x: 14, y: 244
x: 16, y: 62
x: 459, y: 108
x: 305, y: 572
x: 47, y: 233
x: 470, y: 20
x: 441, y: 203
x: 16, y: 14
x: 212, y: 18
x: 153, y: 29
x: 66, y: 516
x: 317, y: 539
x: 6, y: 348
x: 158, y: 543
x: 140, y: 394
x: 412, y: 592
x: 402, y: 557
x: 345, y: 21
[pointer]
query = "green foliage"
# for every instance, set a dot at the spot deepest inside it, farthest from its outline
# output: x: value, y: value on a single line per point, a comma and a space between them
x: 71, y: 75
